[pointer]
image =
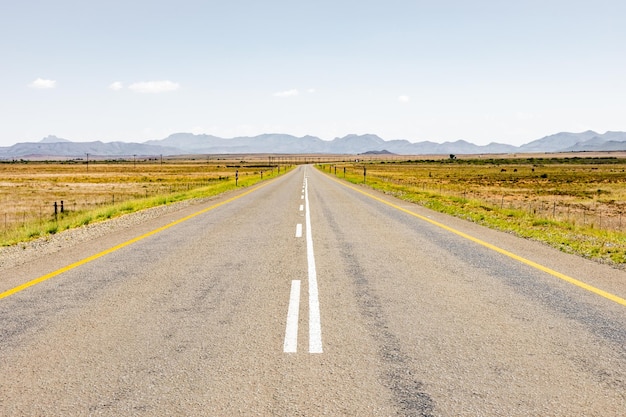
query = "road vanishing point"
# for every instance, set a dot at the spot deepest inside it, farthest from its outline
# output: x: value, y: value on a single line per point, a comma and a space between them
x: 309, y: 296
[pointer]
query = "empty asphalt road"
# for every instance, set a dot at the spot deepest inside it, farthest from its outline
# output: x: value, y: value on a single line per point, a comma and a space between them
x: 307, y: 297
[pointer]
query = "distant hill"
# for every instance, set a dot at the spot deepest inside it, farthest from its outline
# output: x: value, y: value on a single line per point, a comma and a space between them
x: 53, y: 139
x: 188, y: 143
x: 81, y: 149
x: 610, y: 141
x: 383, y: 152
x: 577, y: 142
x: 350, y: 144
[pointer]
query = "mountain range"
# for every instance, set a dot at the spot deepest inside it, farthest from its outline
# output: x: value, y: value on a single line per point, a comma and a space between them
x: 189, y: 144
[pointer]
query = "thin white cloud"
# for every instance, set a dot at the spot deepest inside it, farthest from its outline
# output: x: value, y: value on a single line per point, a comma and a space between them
x: 154, y: 86
x: 404, y: 99
x: 311, y: 90
x: 116, y: 86
x: 287, y: 93
x: 43, y: 84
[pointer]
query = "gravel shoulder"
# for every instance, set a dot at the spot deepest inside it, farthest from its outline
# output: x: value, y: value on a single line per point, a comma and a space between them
x: 606, y: 276
x: 25, y: 252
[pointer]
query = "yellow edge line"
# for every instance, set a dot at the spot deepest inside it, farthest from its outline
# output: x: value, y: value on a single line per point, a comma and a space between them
x: 518, y: 258
x: 124, y: 244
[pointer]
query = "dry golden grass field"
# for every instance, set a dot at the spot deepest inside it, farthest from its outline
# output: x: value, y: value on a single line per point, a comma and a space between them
x: 576, y: 202
x: 104, y: 189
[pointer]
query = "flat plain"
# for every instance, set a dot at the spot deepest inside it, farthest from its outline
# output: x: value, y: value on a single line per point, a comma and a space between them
x: 99, y: 190
x: 574, y: 203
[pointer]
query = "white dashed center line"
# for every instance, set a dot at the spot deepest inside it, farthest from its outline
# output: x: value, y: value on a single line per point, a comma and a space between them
x: 315, y: 327
x: 291, y: 331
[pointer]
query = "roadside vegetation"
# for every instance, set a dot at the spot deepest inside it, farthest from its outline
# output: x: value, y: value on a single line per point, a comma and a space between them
x: 575, y: 204
x: 100, y: 190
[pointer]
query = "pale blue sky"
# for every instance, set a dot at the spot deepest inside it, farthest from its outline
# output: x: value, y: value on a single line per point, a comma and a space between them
x: 482, y: 71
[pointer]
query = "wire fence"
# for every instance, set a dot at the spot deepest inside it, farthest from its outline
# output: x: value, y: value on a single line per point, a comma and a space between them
x: 559, y: 208
x: 15, y: 215
x: 592, y: 212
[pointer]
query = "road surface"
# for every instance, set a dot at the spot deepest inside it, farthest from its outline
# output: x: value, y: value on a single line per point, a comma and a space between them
x: 306, y: 296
